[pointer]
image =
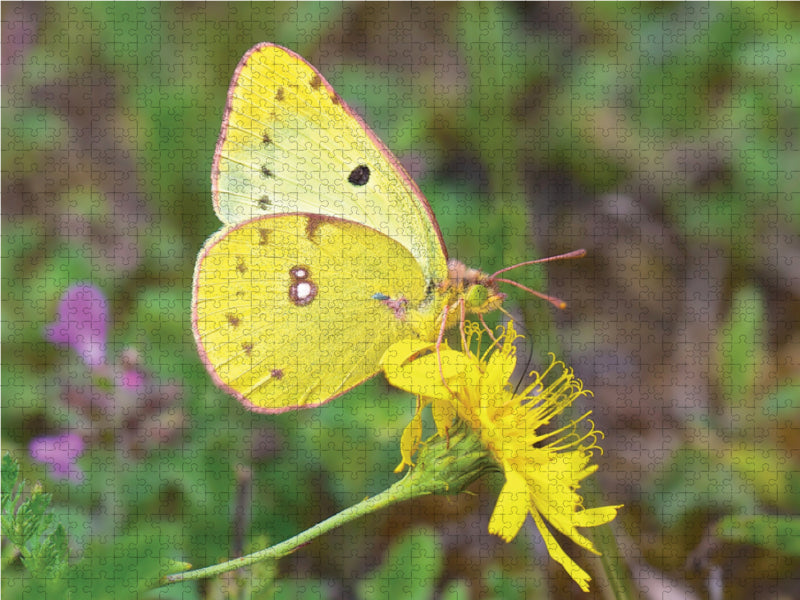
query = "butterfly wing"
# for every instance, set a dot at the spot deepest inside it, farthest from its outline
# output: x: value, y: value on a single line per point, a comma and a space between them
x: 290, y: 144
x: 292, y: 310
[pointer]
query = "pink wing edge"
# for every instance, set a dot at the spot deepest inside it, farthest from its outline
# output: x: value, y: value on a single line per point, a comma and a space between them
x: 201, y: 349
x: 371, y: 134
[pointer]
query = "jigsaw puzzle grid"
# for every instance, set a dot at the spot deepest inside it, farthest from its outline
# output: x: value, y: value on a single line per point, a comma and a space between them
x: 661, y: 138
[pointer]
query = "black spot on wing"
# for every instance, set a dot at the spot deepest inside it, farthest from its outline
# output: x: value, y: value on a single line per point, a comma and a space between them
x: 359, y: 176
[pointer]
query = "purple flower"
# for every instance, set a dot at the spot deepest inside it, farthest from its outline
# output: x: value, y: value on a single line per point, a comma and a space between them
x: 60, y: 452
x: 82, y: 323
x: 132, y: 379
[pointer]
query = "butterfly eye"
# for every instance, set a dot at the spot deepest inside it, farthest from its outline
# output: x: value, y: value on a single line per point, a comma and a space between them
x: 359, y: 176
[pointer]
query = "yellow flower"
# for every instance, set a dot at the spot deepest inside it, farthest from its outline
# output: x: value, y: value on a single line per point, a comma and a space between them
x: 543, y: 470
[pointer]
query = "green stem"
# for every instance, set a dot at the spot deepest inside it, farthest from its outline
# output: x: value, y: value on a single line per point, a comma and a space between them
x: 445, y: 465
x: 405, y: 489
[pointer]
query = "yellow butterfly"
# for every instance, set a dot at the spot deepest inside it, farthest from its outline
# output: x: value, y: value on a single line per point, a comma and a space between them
x: 329, y: 253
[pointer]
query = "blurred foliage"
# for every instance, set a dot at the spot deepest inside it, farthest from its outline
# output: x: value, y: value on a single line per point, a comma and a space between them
x: 661, y: 137
x: 412, y: 567
x: 30, y: 527
x: 777, y: 533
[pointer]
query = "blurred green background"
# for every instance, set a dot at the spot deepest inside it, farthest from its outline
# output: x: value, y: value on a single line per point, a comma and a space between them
x: 663, y: 138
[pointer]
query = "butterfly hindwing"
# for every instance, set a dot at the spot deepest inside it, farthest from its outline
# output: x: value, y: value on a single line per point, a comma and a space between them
x: 290, y: 311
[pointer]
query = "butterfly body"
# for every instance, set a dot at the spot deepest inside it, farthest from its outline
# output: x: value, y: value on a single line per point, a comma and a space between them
x: 329, y: 251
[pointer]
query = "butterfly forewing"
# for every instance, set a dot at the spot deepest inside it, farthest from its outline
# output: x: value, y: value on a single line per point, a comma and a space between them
x: 290, y: 144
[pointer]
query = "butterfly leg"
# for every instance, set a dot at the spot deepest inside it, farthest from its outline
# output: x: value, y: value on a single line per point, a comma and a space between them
x: 486, y: 327
x: 439, y: 340
x: 462, y: 305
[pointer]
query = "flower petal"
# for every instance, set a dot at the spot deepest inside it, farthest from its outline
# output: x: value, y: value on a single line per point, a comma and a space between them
x: 60, y: 453
x: 511, y: 509
x: 82, y: 323
x: 443, y: 415
x: 580, y: 576
x: 543, y: 467
x: 403, y: 351
x: 409, y: 441
x: 592, y: 517
x: 406, y: 367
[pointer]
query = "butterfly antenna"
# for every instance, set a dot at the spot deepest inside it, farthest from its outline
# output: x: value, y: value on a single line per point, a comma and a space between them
x: 574, y: 254
x: 557, y: 302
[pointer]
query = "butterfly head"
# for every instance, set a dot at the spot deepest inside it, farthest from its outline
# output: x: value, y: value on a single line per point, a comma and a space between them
x: 477, y: 289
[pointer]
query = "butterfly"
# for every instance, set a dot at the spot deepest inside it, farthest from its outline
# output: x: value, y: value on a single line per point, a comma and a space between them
x: 329, y: 251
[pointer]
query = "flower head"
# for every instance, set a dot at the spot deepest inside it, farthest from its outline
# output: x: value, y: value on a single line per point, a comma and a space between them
x: 60, y: 453
x: 543, y: 470
x: 82, y: 323
x: 120, y: 396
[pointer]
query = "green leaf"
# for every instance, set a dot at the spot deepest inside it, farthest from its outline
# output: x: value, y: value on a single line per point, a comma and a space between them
x: 300, y: 589
x: 696, y: 479
x: 773, y: 532
x: 48, y: 559
x: 126, y: 565
x: 456, y: 590
x: 44, y: 551
x: 410, y: 571
x: 763, y: 471
x: 32, y: 517
x: 10, y: 478
x: 502, y: 587
x: 741, y: 351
